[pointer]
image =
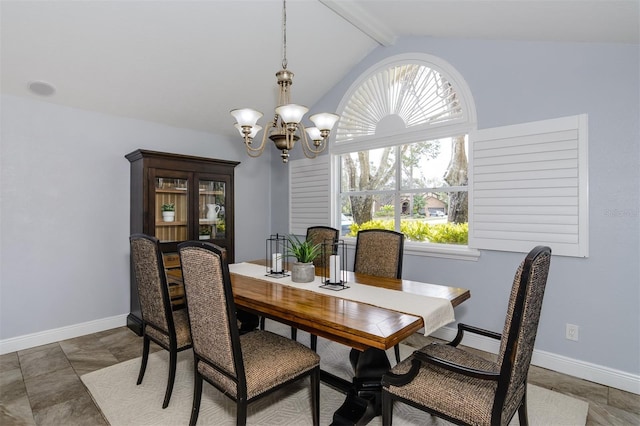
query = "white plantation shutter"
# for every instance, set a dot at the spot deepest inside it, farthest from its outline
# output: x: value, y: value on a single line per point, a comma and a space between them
x: 309, y: 194
x: 418, y: 92
x: 529, y: 186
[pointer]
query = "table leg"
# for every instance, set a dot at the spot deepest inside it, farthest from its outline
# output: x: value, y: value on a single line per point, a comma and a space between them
x: 248, y: 321
x: 364, y: 398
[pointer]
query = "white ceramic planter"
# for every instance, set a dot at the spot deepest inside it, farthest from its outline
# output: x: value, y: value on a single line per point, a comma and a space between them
x: 168, y: 216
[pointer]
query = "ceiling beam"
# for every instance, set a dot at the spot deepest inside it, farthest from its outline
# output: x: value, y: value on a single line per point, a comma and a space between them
x: 362, y: 20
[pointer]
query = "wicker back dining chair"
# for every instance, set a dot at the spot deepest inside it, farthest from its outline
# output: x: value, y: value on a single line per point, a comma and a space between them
x: 464, y: 388
x: 243, y: 367
x: 160, y: 323
x: 322, y: 235
x: 379, y: 253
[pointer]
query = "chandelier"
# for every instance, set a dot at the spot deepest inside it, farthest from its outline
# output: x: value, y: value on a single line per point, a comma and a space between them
x: 286, y: 127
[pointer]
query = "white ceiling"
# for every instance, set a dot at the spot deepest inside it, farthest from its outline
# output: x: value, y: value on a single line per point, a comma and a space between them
x: 187, y: 63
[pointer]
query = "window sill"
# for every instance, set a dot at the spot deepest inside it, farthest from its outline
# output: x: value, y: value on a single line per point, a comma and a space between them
x: 446, y: 251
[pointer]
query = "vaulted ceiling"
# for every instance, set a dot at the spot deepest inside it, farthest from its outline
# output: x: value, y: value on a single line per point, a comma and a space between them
x: 187, y: 63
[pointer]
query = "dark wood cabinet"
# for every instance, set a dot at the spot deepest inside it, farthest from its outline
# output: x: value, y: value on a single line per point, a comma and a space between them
x: 178, y: 198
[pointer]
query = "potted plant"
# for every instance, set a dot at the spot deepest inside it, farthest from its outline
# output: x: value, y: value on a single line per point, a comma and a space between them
x: 205, y: 232
x: 302, y: 271
x: 220, y: 228
x: 168, y: 212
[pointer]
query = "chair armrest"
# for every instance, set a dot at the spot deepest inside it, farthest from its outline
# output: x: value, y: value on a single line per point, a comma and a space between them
x: 464, y: 327
x: 456, y: 368
x: 390, y: 378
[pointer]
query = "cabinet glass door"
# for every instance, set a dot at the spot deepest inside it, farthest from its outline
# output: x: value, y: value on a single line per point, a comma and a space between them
x: 171, y: 209
x: 211, y: 202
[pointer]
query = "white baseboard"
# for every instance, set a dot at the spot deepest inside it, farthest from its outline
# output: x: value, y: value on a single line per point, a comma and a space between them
x: 572, y: 367
x: 57, y: 334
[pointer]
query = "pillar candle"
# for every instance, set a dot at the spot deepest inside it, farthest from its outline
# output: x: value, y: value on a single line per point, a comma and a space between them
x: 334, y: 268
x: 276, y: 262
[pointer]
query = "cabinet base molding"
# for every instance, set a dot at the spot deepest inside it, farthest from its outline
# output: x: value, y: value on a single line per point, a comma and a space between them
x: 135, y: 324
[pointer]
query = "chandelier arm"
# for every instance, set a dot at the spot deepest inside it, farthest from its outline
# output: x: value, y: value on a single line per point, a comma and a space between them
x: 310, y: 155
x: 250, y: 147
x: 308, y: 150
x: 253, y: 154
x: 290, y: 140
x: 256, y: 152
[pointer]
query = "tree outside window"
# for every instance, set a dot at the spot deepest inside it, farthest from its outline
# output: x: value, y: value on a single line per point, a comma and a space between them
x: 430, y: 193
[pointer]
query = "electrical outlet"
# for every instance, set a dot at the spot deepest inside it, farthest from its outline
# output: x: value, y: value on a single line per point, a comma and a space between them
x: 572, y: 332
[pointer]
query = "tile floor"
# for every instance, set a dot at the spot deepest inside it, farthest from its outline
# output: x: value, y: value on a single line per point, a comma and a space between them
x: 42, y: 386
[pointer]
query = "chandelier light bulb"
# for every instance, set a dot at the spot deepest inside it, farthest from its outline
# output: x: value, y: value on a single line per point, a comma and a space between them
x: 324, y: 120
x: 239, y: 127
x: 314, y: 133
x: 246, y: 116
x: 291, y: 113
x: 254, y: 130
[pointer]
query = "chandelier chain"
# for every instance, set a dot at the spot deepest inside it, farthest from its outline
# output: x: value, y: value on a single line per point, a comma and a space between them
x: 284, y: 34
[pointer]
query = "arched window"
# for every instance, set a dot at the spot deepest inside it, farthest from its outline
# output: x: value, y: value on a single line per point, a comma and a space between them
x: 400, y: 152
x: 407, y: 155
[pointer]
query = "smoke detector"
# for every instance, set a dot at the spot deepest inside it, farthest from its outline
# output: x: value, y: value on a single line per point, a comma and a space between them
x: 41, y: 88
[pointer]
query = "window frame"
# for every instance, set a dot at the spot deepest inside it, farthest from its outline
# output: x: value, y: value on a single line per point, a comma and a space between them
x: 449, y: 251
x: 465, y: 124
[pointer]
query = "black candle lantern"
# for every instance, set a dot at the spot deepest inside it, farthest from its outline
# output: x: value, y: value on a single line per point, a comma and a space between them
x: 334, y: 267
x: 276, y: 250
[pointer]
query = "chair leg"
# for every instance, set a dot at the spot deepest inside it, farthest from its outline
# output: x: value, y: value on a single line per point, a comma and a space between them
x: 522, y: 411
x: 294, y: 333
x: 387, y: 408
x: 241, y: 414
x: 314, y: 343
x: 197, y: 396
x: 173, y: 359
x: 145, y: 358
x: 315, y: 395
x: 396, y: 349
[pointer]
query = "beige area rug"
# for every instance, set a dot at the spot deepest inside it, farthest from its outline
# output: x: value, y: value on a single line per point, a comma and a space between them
x: 124, y: 404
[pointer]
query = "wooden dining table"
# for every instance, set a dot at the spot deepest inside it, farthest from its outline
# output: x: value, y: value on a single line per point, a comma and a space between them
x: 366, y: 328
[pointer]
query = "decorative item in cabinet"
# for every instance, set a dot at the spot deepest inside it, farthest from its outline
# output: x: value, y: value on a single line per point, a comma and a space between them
x: 168, y: 212
x: 176, y: 293
x: 174, y: 279
x: 220, y: 230
x: 212, y: 199
x: 189, y: 183
x: 171, y: 260
x: 205, y: 232
x: 171, y: 209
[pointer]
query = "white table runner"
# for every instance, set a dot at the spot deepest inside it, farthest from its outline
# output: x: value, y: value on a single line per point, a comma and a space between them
x: 435, y: 312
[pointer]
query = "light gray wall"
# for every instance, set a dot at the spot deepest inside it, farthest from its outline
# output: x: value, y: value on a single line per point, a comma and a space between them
x: 280, y: 195
x: 65, y: 210
x: 516, y: 82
